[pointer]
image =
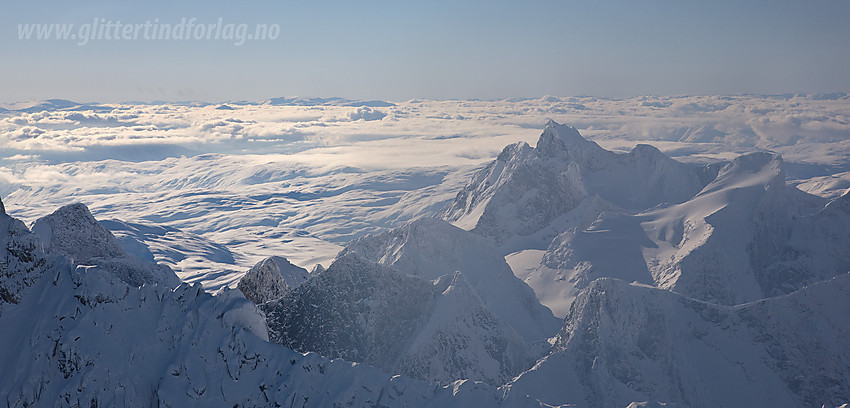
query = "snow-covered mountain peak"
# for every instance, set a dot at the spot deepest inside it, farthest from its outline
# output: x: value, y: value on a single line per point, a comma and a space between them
x: 270, y: 279
x: 455, y: 284
x: 565, y: 140
x: 625, y: 342
x: 73, y: 232
x: 648, y: 152
x: 430, y: 248
x: 514, y: 151
x: 745, y: 236
x: 517, y: 197
x: 367, y: 312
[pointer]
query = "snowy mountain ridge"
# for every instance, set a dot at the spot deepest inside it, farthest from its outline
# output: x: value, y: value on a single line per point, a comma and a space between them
x: 728, y: 232
x: 627, y: 342
x: 525, y: 189
x: 82, y: 336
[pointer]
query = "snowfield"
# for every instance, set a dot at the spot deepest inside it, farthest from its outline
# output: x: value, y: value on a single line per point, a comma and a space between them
x: 653, y: 251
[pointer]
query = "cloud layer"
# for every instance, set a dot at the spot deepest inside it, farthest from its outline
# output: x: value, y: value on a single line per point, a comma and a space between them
x: 299, y: 180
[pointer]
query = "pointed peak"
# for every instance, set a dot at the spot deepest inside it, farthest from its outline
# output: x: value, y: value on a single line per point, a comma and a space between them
x: 558, y: 139
x: 456, y: 284
x: 270, y: 279
x: 429, y: 224
x: 565, y: 132
x: 2, y: 208
x: 77, y: 211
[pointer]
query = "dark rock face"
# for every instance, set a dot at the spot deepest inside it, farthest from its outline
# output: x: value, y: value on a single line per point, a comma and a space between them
x: 354, y: 310
x: 22, y: 261
x: 270, y: 279
x: 361, y: 311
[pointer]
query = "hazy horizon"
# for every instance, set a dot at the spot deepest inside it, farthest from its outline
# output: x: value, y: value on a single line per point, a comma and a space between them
x: 435, y: 50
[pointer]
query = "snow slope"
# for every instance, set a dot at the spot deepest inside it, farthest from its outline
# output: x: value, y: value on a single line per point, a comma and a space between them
x: 198, y: 259
x: 746, y: 236
x: 430, y: 248
x: 628, y: 342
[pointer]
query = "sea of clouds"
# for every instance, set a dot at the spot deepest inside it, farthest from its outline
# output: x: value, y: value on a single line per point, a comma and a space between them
x: 300, y: 177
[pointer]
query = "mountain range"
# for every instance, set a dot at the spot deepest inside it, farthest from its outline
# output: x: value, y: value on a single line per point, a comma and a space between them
x: 561, y: 274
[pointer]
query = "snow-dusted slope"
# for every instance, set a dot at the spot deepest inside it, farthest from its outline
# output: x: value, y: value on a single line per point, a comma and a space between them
x: 462, y: 338
x: 193, y: 257
x: 270, y: 279
x: 430, y: 248
x: 73, y: 232
x: 526, y: 189
x: 625, y: 342
x: 367, y: 312
x: 80, y: 336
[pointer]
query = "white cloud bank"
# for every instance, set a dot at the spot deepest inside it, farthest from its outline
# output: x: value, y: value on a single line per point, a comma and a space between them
x: 299, y: 180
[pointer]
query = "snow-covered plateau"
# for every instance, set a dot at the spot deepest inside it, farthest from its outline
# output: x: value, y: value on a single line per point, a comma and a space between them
x: 656, y: 252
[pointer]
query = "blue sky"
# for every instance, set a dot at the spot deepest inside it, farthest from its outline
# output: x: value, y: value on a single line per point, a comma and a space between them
x: 437, y: 49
